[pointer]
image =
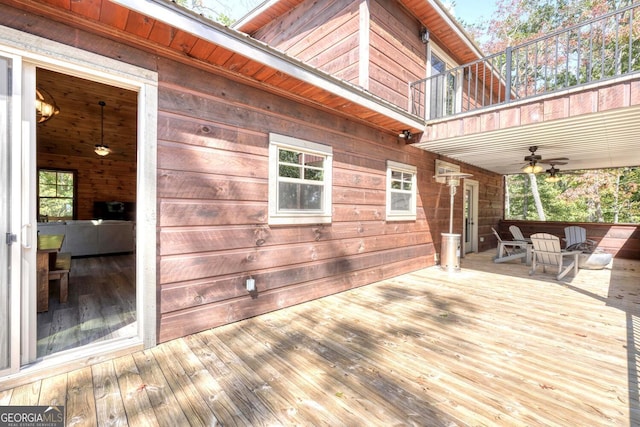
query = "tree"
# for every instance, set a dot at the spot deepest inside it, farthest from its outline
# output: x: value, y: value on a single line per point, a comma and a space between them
x: 518, y: 21
x: 219, y: 10
x: 605, y: 195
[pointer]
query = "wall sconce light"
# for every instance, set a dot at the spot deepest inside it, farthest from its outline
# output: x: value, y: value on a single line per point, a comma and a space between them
x: 424, y: 35
x: 46, y: 106
x: 405, y: 134
x: 102, y: 149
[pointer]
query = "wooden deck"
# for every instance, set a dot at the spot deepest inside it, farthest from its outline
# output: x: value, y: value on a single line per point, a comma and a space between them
x: 486, y: 346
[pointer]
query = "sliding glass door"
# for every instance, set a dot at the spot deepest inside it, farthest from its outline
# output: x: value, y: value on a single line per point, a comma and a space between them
x: 10, y: 212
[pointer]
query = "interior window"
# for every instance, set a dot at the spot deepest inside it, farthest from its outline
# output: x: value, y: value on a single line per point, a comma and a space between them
x: 56, y: 195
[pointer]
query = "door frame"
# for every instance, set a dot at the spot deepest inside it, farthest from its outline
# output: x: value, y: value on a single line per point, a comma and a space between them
x: 10, y: 155
x: 474, y: 187
x: 35, y: 52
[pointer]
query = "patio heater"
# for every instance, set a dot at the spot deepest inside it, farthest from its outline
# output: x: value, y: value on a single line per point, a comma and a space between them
x: 450, y: 247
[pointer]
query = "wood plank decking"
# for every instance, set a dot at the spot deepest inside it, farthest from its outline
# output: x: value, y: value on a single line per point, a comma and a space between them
x: 486, y: 346
x: 101, y: 305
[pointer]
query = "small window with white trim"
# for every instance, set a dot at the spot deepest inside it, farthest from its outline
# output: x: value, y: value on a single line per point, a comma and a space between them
x: 443, y: 167
x: 299, y: 181
x: 401, y: 191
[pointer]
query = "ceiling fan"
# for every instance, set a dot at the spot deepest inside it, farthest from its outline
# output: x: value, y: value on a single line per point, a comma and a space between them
x: 533, y: 159
x: 554, y: 172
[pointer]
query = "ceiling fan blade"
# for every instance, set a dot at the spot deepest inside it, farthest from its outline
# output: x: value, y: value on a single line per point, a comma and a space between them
x: 556, y: 161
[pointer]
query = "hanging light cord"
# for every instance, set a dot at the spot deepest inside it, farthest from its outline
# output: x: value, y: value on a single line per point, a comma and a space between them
x: 102, y: 104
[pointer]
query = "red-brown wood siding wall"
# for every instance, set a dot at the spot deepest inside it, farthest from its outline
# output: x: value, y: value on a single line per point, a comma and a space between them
x: 397, y: 55
x: 213, y: 199
x: 322, y: 34
x: 329, y: 41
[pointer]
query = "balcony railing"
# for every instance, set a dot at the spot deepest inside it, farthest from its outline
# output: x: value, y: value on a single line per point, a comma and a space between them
x: 596, y: 50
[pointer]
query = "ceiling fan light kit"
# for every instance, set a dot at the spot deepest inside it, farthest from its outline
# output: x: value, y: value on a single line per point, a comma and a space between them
x: 532, y: 166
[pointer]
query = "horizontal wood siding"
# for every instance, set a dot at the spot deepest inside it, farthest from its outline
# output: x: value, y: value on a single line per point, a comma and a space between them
x: 397, y: 55
x: 213, y: 204
x: 322, y: 34
x: 620, y: 240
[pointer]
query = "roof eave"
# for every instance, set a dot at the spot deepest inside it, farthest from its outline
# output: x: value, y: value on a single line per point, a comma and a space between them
x: 455, y: 25
x: 260, y: 52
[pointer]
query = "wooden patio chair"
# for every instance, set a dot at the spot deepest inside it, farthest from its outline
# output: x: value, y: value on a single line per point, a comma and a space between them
x: 547, y: 251
x: 517, y: 234
x: 509, y: 249
x: 576, y: 238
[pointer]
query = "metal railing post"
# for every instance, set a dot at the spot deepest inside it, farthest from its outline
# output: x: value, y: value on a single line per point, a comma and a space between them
x: 507, y: 95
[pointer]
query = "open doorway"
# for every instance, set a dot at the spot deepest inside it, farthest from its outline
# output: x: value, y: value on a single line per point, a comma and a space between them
x: 90, y: 200
x: 470, y: 218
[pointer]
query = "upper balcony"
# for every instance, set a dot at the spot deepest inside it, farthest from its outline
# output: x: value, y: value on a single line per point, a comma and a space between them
x: 598, y: 50
x: 574, y: 93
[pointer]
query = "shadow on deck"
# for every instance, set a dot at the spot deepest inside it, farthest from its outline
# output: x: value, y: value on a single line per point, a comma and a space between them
x: 488, y: 345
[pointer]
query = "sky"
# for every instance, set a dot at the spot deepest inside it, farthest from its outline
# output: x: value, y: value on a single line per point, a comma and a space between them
x: 471, y: 11
x: 468, y: 10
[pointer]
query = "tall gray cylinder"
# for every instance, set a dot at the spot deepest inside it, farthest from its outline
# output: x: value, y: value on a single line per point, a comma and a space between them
x: 450, y: 252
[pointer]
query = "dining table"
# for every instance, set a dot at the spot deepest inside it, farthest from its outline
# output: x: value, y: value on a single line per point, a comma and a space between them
x: 48, y: 247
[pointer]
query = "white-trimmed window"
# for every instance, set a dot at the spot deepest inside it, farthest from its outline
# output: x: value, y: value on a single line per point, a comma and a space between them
x: 401, y: 191
x: 443, y: 167
x: 299, y: 181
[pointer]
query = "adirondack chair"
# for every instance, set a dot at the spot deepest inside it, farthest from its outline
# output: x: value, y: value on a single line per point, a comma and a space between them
x: 547, y: 251
x: 591, y: 257
x: 511, y: 249
x: 576, y: 238
x: 517, y: 234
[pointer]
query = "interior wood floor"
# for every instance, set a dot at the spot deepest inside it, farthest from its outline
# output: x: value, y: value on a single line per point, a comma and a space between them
x: 486, y: 346
x: 101, y: 305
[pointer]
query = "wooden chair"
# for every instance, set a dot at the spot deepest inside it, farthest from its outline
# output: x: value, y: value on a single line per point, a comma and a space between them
x: 547, y: 251
x: 510, y: 249
x: 517, y: 234
x: 61, y: 272
x: 576, y: 238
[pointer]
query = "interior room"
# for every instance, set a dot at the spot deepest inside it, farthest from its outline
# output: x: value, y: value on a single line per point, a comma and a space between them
x: 86, y: 191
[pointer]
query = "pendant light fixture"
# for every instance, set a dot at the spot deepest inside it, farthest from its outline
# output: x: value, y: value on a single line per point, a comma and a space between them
x: 102, y: 149
x: 46, y: 106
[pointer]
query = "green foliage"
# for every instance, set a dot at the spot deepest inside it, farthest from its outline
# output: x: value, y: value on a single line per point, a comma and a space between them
x: 55, y: 194
x: 606, y: 195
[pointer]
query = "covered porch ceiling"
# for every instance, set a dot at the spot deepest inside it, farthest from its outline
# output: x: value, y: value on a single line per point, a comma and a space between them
x: 593, y: 141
